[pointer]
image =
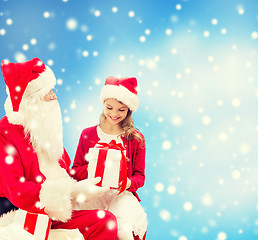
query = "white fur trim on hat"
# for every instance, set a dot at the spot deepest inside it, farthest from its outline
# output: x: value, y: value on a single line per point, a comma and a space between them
x: 121, y: 94
x: 15, y: 118
x: 41, y: 85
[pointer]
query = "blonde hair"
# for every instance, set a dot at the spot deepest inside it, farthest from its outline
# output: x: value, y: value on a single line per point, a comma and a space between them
x: 130, y: 132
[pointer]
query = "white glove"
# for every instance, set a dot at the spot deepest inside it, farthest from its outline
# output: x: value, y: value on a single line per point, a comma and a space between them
x: 86, y: 190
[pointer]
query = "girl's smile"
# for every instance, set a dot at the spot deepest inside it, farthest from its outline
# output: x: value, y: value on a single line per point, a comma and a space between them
x: 114, y: 118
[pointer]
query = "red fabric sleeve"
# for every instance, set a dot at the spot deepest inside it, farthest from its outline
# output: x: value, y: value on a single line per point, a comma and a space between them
x: 13, y: 185
x: 80, y: 166
x: 138, y: 165
x: 138, y: 175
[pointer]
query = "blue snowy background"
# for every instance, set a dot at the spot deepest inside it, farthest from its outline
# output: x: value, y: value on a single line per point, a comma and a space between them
x: 196, y: 64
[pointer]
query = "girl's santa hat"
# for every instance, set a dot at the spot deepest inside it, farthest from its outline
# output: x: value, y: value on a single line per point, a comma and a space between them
x: 24, y: 80
x: 123, y: 90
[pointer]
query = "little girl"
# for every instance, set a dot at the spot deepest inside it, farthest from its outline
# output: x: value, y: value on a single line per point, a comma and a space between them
x: 119, y: 97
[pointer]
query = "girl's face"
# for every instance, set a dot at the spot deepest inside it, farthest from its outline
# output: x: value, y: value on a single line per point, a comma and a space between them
x: 114, y: 111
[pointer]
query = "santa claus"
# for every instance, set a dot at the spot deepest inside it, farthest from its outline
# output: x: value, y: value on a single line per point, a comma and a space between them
x: 34, y: 166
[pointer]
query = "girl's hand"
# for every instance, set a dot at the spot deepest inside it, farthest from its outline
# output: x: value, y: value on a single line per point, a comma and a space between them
x: 128, y: 184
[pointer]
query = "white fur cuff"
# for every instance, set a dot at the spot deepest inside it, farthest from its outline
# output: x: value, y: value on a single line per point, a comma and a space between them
x: 55, y: 196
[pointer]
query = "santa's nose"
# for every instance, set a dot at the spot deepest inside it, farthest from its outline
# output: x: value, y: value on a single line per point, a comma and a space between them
x: 53, y: 96
x: 50, y: 96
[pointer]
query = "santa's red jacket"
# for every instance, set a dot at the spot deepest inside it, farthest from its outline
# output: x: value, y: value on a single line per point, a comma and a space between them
x: 20, y: 177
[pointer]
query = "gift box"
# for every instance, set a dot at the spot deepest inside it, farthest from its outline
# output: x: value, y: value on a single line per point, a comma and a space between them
x: 108, y: 161
x: 34, y: 223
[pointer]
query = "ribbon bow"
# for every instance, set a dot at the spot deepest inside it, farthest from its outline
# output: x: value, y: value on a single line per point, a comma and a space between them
x: 123, y: 165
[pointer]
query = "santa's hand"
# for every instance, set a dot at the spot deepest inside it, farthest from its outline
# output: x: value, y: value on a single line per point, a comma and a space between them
x: 87, y: 190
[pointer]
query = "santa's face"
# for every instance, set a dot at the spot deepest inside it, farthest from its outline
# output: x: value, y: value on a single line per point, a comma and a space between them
x: 43, y: 123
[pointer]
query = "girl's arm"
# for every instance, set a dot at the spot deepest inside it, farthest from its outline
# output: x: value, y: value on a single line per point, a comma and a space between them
x: 80, y: 166
x: 138, y: 171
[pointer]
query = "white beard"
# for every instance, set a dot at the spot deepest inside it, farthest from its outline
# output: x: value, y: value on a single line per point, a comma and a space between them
x: 43, y: 124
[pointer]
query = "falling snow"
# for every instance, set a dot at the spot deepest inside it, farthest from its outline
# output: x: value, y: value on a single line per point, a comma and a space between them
x: 71, y: 24
x: 196, y: 68
x: 101, y: 214
x: 165, y: 215
x: 188, y: 206
x: 9, y: 159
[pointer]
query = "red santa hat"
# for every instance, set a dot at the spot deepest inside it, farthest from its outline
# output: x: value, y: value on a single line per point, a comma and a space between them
x: 122, y: 89
x: 25, y: 79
